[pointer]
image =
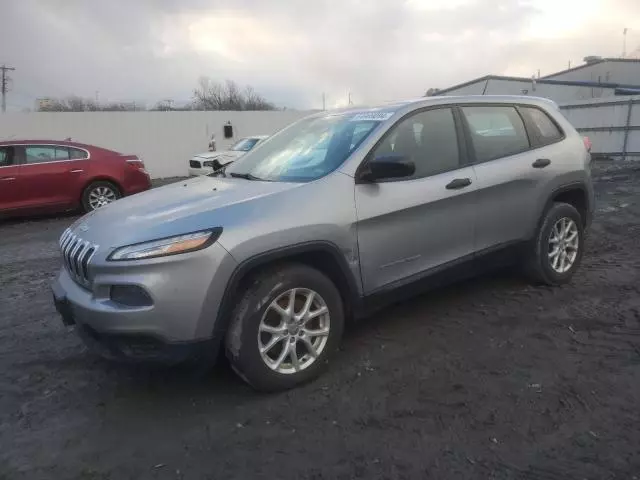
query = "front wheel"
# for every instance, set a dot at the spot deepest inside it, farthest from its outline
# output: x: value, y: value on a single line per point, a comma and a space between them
x: 557, y: 249
x: 99, y: 194
x: 286, y: 326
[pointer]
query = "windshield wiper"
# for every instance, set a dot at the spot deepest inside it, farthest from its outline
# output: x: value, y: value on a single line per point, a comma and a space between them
x: 219, y: 172
x: 246, y: 176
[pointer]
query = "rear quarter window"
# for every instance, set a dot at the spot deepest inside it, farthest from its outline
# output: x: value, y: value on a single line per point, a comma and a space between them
x: 77, y: 153
x: 543, y: 129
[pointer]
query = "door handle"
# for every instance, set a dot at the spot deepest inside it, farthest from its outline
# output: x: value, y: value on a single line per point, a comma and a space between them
x: 458, y: 183
x: 7, y: 179
x: 541, y: 163
x: 77, y: 171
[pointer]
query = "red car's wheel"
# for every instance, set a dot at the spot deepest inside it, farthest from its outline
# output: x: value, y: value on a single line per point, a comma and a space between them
x: 99, y: 194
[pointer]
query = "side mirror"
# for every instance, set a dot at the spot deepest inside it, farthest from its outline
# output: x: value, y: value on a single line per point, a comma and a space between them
x: 387, y: 166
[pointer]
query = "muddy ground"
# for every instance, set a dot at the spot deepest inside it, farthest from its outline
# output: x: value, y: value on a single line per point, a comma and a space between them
x: 491, y: 378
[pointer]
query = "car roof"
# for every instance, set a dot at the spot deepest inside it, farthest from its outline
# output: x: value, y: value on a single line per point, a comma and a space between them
x: 45, y: 142
x: 66, y: 143
x: 415, y: 103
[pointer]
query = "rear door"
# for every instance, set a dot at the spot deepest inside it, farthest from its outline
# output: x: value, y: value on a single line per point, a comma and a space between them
x: 409, y: 226
x: 10, y: 191
x: 47, y: 175
x: 509, y: 171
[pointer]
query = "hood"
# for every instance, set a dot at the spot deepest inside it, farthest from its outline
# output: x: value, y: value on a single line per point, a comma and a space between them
x: 223, y: 157
x: 181, y: 207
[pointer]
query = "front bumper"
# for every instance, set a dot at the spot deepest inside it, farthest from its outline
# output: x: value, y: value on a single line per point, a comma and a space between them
x: 194, y: 172
x: 185, y: 292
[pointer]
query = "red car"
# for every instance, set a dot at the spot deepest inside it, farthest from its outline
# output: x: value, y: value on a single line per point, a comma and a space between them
x: 39, y: 176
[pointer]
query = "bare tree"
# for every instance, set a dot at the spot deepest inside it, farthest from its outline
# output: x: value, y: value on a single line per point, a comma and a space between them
x: 210, y: 95
x: 79, y: 104
x: 75, y: 104
x: 235, y: 100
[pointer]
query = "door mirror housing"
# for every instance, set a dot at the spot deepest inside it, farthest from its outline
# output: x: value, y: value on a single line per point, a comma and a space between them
x: 385, y: 167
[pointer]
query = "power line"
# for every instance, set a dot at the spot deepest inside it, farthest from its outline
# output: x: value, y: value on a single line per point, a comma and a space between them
x: 4, y: 84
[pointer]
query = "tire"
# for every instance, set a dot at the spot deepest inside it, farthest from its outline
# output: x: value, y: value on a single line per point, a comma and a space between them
x: 540, y: 264
x: 106, y: 193
x: 255, y: 311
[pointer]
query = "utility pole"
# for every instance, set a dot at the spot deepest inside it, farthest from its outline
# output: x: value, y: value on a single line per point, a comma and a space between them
x: 350, y: 103
x: 5, y: 85
x: 323, y: 102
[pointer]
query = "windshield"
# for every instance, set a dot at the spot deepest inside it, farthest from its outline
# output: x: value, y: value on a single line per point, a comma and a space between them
x: 244, y: 144
x: 306, y: 150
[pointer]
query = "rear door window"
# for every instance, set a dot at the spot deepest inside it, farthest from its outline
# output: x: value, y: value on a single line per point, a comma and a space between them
x: 544, y: 131
x: 39, y: 154
x: 62, y: 153
x: 496, y: 131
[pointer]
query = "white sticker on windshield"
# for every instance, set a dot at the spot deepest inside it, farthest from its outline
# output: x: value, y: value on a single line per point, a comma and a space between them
x: 374, y: 116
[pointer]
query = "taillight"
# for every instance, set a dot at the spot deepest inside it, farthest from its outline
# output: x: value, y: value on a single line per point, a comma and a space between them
x: 137, y: 163
x: 587, y: 143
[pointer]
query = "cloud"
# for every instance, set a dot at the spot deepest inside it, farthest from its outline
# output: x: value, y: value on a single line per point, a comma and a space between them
x: 292, y: 51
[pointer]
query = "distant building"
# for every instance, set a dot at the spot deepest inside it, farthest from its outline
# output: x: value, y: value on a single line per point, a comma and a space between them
x: 44, y: 103
x: 597, y: 78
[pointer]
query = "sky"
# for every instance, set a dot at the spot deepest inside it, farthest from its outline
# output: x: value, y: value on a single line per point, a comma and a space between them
x: 293, y: 51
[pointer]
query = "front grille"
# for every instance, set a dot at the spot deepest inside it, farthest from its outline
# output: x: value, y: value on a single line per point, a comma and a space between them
x: 194, y: 164
x: 76, y: 255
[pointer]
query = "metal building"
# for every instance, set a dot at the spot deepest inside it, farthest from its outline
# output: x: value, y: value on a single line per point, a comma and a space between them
x: 600, y: 98
x: 560, y: 91
x: 602, y: 70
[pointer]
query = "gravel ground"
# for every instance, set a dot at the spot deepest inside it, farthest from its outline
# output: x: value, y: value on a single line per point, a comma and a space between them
x: 490, y: 378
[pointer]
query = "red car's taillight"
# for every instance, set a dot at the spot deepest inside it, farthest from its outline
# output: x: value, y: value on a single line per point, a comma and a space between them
x: 136, y: 163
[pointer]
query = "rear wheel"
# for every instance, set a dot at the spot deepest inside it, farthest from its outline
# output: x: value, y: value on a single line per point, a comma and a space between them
x: 286, y: 326
x: 556, y: 252
x: 99, y: 194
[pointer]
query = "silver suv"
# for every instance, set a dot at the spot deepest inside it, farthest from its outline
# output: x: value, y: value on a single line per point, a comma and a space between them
x: 334, y: 215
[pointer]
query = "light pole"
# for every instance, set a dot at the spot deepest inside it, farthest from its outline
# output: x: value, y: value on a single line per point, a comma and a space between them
x: 624, y: 42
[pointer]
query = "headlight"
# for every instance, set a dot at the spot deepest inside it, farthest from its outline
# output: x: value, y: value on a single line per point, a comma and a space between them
x: 167, y: 246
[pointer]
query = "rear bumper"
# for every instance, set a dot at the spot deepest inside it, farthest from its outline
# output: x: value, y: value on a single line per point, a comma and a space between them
x: 136, y: 182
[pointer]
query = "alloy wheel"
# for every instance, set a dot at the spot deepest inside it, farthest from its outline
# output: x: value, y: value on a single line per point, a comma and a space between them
x: 294, y: 330
x: 563, y: 245
x: 101, y: 196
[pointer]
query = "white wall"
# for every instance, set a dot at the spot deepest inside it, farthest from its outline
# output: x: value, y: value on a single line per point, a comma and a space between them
x: 164, y: 140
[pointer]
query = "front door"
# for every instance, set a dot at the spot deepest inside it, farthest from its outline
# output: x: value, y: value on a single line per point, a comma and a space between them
x: 407, y: 227
x: 10, y: 191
